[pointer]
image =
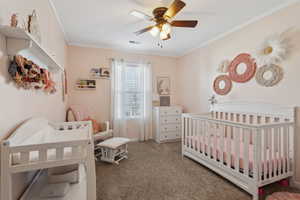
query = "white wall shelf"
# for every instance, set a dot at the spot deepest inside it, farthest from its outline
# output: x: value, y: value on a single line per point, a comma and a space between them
x: 19, y: 41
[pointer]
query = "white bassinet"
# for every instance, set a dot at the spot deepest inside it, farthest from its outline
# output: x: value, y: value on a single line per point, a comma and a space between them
x: 39, y: 144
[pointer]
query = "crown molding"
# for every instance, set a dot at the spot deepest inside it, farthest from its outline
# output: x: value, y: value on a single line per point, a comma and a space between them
x: 125, y: 50
x: 59, y: 21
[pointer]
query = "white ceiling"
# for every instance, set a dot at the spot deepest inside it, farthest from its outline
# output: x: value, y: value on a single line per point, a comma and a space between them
x: 107, y: 23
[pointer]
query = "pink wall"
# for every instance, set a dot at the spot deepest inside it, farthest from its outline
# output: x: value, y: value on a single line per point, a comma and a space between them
x: 82, y: 59
x: 17, y: 105
x: 197, y: 70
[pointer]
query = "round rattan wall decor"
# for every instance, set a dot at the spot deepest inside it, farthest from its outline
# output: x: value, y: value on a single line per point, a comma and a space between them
x: 249, y: 72
x: 227, y: 85
x: 275, y: 75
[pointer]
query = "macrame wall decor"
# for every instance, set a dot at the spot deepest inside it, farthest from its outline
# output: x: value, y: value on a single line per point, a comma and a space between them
x: 248, y: 74
x: 223, y: 67
x: 272, y: 51
x: 269, y: 75
x: 222, y: 85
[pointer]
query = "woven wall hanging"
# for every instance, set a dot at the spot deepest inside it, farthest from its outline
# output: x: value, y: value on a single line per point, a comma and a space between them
x: 276, y: 75
x: 227, y: 85
x: 250, y: 70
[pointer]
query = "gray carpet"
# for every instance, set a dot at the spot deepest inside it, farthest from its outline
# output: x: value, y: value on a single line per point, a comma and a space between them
x: 158, y: 172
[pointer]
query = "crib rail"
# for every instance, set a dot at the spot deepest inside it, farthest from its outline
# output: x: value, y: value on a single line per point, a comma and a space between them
x: 253, y: 150
x: 46, y: 155
x: 68, y: 126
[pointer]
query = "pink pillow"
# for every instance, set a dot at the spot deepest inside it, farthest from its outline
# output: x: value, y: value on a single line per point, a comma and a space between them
x: 96, y: 125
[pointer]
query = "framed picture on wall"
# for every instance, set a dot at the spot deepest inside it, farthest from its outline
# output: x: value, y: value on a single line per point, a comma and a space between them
x: 163, y: 85
x: 105, y: 73
x: 102, y: 72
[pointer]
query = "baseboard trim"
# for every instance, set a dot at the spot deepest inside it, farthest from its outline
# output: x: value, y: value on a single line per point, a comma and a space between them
x: 295, y: 184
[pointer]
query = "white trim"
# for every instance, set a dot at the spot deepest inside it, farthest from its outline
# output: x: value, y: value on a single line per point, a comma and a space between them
x: 239, y: 27
x: 295, y: 184
x: 120, y: 49
x: 59, y: 21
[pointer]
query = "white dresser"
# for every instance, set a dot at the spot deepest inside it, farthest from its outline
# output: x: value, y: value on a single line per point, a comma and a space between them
x: 167, y: 123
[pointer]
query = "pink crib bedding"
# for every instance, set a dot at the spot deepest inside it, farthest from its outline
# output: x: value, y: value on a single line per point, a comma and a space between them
x: 197, y: 142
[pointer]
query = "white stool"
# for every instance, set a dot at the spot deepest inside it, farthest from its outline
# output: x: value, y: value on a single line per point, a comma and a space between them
x: 114, y: 150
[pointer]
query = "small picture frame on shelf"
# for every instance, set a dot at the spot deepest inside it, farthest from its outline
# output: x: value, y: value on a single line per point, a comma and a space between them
x: 85, y: 84
x: 102, y: 72
x: 165, y: 100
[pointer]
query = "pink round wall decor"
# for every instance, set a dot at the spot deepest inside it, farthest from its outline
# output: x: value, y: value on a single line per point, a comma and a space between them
x: 227, y: 85
x: 250, y: 70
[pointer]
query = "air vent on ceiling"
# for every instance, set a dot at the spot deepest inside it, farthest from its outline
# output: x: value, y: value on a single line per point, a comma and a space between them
x: 134, y: 42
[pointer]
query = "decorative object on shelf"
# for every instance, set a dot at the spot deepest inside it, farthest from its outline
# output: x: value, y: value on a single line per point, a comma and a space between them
x: 28, y: 75
x: 273, y: 50
x: 163, y: 85
x: 248, y: 74
x: 103, y: 73
x: 269, y: 75
x: 86, y: 84
x: 155, y: 99
x: 20, y: 42
x: 165, y: 100
x: 33, y: 26
x: 222, y: 85
x: 14, y: 20
x: 223, y: 67
x: 213, y: 100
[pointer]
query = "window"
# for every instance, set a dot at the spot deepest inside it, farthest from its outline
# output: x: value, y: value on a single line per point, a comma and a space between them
x: 133, y: 91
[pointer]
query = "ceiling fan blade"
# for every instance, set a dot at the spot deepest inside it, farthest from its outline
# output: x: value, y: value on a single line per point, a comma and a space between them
x: 144, y: 30
x: 175, y: 7
x: 185, y: 23
x: 141, y: 15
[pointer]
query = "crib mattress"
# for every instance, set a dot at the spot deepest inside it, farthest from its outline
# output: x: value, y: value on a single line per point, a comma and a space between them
x: 215, y: 149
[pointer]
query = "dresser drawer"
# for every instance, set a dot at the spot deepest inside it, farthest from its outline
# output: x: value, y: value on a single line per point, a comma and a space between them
x: 170, y: 135
x: 170, y: 127
x: 170, y: 111
x: 170, y: 119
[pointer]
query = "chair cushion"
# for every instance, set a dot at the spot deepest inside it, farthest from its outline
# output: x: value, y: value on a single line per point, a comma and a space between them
x: 103, y: 135
x: 114, y: 143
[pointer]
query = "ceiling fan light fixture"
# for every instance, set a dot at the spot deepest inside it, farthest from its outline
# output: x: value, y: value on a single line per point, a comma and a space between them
x: 154, y: 31
x: 166, y: 27
x: 163, y: 35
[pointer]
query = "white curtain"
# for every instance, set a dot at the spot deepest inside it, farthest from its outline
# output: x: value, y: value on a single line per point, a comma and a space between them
x: 139, y: 115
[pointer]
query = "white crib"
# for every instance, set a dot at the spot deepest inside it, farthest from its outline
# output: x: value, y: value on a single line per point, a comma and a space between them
x: 251, y: 145
x: 39, y: 144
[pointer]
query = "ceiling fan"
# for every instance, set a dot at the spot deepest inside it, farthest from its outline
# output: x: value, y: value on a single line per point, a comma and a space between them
x: 162, y: 17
